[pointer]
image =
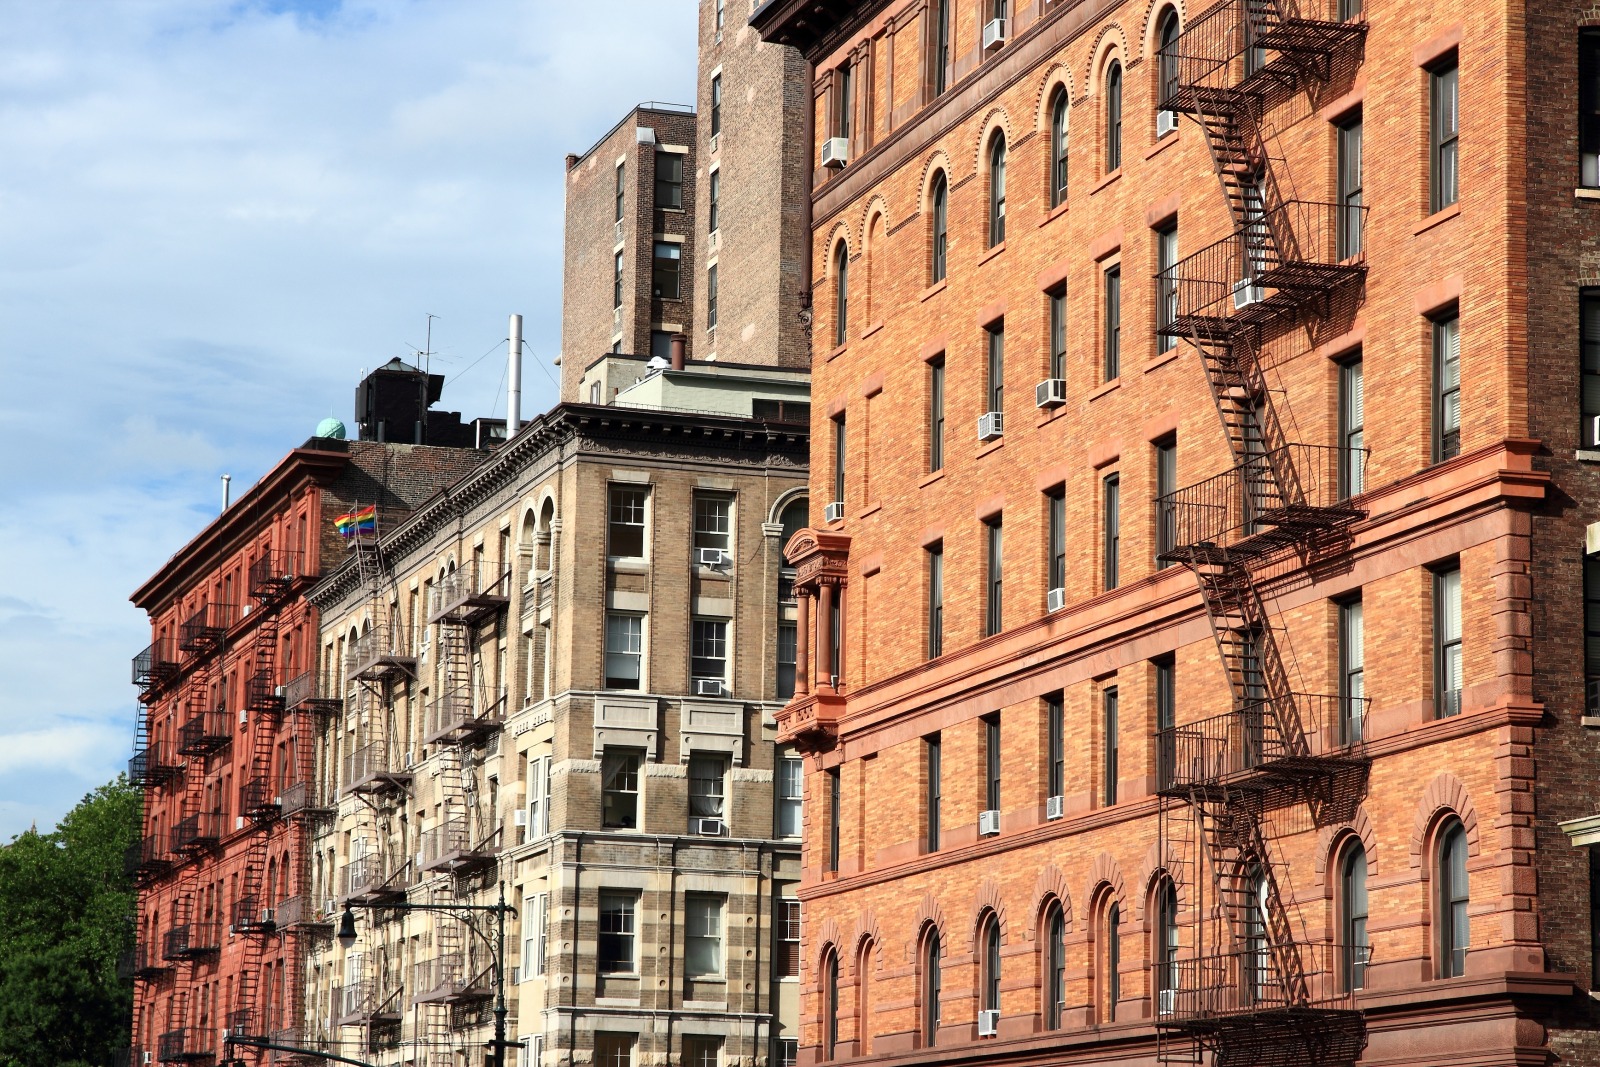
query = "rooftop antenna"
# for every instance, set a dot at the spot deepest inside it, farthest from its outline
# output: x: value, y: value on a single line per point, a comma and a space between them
x: 427, y: 367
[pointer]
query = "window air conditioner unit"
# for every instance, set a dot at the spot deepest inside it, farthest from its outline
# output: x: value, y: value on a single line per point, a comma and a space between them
x: 238, y: 822
x: 269, y: 917
x: 988, y: 823
x: 994, y: 34
x: 715, y: 138
x: 618, y: 230
x: 835, y: 152
x: 519, y: 817
x: 834, y: 512
x: 988, y: 1023
x: 1055, y: 807
x: 278, y: 692
x: 1246, y: 292
x: 1050, y: 393
x: 146, y: 1058
x: 1055, y: 599
x: 1593, y: 439
x: 328, y: 907
x: 708, y: 827
x: 714, y: 238
x: 991, y: 424
x: 244, y: 716
x: 1169, y: 1001
x: 1166, y: 122
x: 708, y: 687
x: 410, y: 760
x: 710, y: 557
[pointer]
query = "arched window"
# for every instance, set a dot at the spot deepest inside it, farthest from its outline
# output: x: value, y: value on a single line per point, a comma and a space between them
x: 1058, y: 148
x: 1113, y: 116
x: 1055, y: 962
x: 997, y: 190
x: 795, y: 516
x: 1450, y: 910
x: 830, y: 1004
x: 1166, y: 944
x: 931, y: 987
x: 841, y: 294
x: 863, y: 1002
x: 989, y: 938
x: 1257, y: 952
x: 940, y: 198
x: 1167, y: 64
x: 1113, y: 961
x: 1353, y: 915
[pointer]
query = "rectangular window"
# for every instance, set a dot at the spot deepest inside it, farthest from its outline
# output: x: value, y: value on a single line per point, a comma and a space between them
x: 1350, y: 213
x: 665, y: 281
x: 614, y: 950
x: 997, y: 365
x: 702, y: 935
x: 1447, y: 642
x: 1352, y: 673
x: 626, y: 528
x: 934, y: 750
x: 1589, y: 109
x: 538, y: 812
x: 613, y: 1050
x: 541, y: 952
x: 991, y: 762
x: 530, y: 934
x: 941, y: 46
x: 702, y: 1051
x: 621, y: 189
x: 994, y: 616
x: 616, y: 282
x: 1112, y: 530
x: 786, y: 1052
x: 1591, y: 648
x: 1113, y: 316
x: 791, y: 791
x: 1589, y: 320
x: 1166, y: 288
x: 624, y: 650
x: 787, y: 922
x: 619, y: 788
x: 707, y: 788
x: 1056, y: 502
x: 1446, y: 388
x: 716, y: 104
x: 1444, y: 128
x: 838, y: 457
x: 835, y: 817
x: 713, y: 521
x: 1352, y: 430
x: 1166, y: 718
x: 1058, y: 334
x: 713, y: 220
x: 1109, y: 731
x: 936, y: 601
x: 1055, y: 726
x: 1349, y: 10
x: 787, y: 644
x: 936, y: 414
x: 1166, y: 505
x: 669, y: 180
x: 843, y: 100
x: 711, y: 297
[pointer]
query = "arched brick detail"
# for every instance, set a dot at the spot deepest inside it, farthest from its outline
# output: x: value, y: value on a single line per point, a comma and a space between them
x: 996, y: 119
x: 840, y: 231
x: 937, y: 160
x: 1105, y: 872
x: 1331, y: 839
x: 1152, y: 14
x: 1110, y: 43
x: 1051, y: 885
x: 1446, y: 793
x: 929, y: 913
x: 989, y: 899
x: 1058, y: 74
x: 868, y: 936
x: 876, y: 206
x: 1158, y: 861
x: 828, y: 938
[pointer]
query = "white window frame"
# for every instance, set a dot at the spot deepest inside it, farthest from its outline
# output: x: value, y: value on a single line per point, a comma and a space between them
x: 704, y: 926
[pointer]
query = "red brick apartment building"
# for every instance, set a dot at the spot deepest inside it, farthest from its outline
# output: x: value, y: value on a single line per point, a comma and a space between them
x: 1097, y: 769
x: 224, y: 749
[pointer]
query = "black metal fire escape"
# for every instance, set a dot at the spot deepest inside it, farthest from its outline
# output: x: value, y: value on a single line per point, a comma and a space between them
x: 1249, y: 986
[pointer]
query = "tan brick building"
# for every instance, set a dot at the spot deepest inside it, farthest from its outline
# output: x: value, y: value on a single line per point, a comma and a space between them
x: 1167, y: 694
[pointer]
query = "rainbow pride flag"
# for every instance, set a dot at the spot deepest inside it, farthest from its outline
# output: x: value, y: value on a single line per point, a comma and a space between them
x: 358, y: 522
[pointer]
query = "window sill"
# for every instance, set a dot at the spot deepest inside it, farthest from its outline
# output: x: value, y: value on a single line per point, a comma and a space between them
x: 1584, y: 455
x: 628, y: 564
x: 1162, y: 144
x: 836, y: 353
x: 938, y: 476
x: 871, y: 509
x: 1162, y: 359
x: 1108, y: 180
x: 1049, y: 415
x: 870, y: 330
x: 1438, y: 218
x: 992, y: 253
x: 701, y: 571
x: 933, y: 290
x: 990, y: 447
x: 1105, y: 390
x: 1586, y: 194
x: 1055, y: 212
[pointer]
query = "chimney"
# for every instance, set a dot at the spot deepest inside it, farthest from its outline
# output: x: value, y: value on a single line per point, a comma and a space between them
x: 514, y: 378
x: 679, y: 346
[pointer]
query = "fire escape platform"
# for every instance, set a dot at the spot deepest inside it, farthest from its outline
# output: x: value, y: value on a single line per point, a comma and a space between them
x: 377, y: 780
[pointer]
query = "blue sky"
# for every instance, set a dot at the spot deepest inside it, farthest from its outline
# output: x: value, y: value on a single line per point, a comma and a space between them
x: 214, y: 215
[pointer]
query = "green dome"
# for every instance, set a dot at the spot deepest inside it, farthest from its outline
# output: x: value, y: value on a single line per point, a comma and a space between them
x: 331, y: 427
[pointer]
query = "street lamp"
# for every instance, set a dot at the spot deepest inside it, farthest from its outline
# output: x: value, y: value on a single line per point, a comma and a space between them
x: 347, y: 938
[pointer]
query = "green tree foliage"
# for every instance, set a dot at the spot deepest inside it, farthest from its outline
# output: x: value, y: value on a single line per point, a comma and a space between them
x: 65, y: 908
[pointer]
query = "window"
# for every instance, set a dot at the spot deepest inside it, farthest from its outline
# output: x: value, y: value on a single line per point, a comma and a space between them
x: 1058, y: 148
x: 1450, y: 874
x: 830, y: 1007
x: 997, y: 191
x: 1257, y: 949
x: 936, y: 412
x: 1058, y: 333
x: 1112, y: 495
x: 1056, y: 502
x: 1352, y: 430
x: 1591, y: 648
x: 991, y: 762
x: 834, y: 819
x: 1444, y: 128
x: 996, y: 341
x: 941, y: 220
x: 1589, y: 108
x: 994, y: 616
x: 786, y: 1052
x: 1166, y: 932
x: 666, y: 283
x: 1113, y: 317
x: 787, y: 955
x: 707, y: 788
x: 538, y: 796
x: 660, y: 345
x: 1113, y: 117
x: 1353, y: 916
x: 838, y: 457
x: 613, y: 1050
x: 624, y: 650
x: 701, y: 1051
x: 1447, y: 642
x: 702, y: 935
x: 1352, y: 674
x: 615, y: 945
x: 1055, y: 728
x: 1108, y: 729
x: 791, y: 791
x: 619, y: 789
x: 1350, y: 214
x: 933, y: 748
x: 594, y: 392
x: 1166, y: 288
x: 713, y: 220
x: 841, y: 294
x: 1446, y: 388
x: 1589, y: 318
x: 941, y: 47
x: 616, y: 282
x: 720, y: 14
x: 991, y: 964
x: 713, y: 521
x: 669, y: 180
x: 621, y: 189
x: 931, y: 988
x: 711, y: 297
x: 788, y: 638
x: 1113, y: 960
x: 936, y: 601
x: 1167, y: 64
x: 1349, y: 10
x: 843, y: 100
x: 716, y: 106
x: 1056, y: 967
x: 1166, y: 505
x: 530, y: 935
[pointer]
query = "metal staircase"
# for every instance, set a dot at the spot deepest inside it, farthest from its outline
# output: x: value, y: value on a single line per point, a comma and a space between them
x: 1252, y: 987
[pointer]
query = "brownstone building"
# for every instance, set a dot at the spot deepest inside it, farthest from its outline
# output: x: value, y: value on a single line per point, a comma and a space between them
x: 1159, y: 704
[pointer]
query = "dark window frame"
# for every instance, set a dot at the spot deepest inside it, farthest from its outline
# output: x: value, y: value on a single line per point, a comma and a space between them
x: 835, y: 818
x: 1355, y: 943
x: 1112, y: 341
x: 936, y: 414
x: 1056, y: 537
x: 994, y: 575
x: 997, y: 190
x: 1058, y: 147
x: 1349, y: 193
x: 939, y: 204
x: 1446, y: 333
x: 932, y: 987
x: 840, y: 456
x: 1589, y: 107
x: 669, y: 181
x: 995, y: 365
x: 1352, y: 428
x: 1352, y: 672
x: 935, y: 600
x: 1452, y: 899
x: 991, y: 761
x: 1589, y: 368
x: 1166, y: 509
x: 1113, y: 116
x: 716, y: 104
x: 933, y: 754
x: 841, y: 294
x: 1444, y: 132
x: 1057, y: 306
x: 1110, y: 744
x: 1167, y: 71
x: 1166, y: 286
x: 666, y: 269
x: 1055, y: 746
x: 1447, y: 651
x: 990, y: 988
x: 1111, y: 530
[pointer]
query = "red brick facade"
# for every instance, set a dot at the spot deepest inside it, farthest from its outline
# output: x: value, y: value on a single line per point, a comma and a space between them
x: 1492, y: 750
